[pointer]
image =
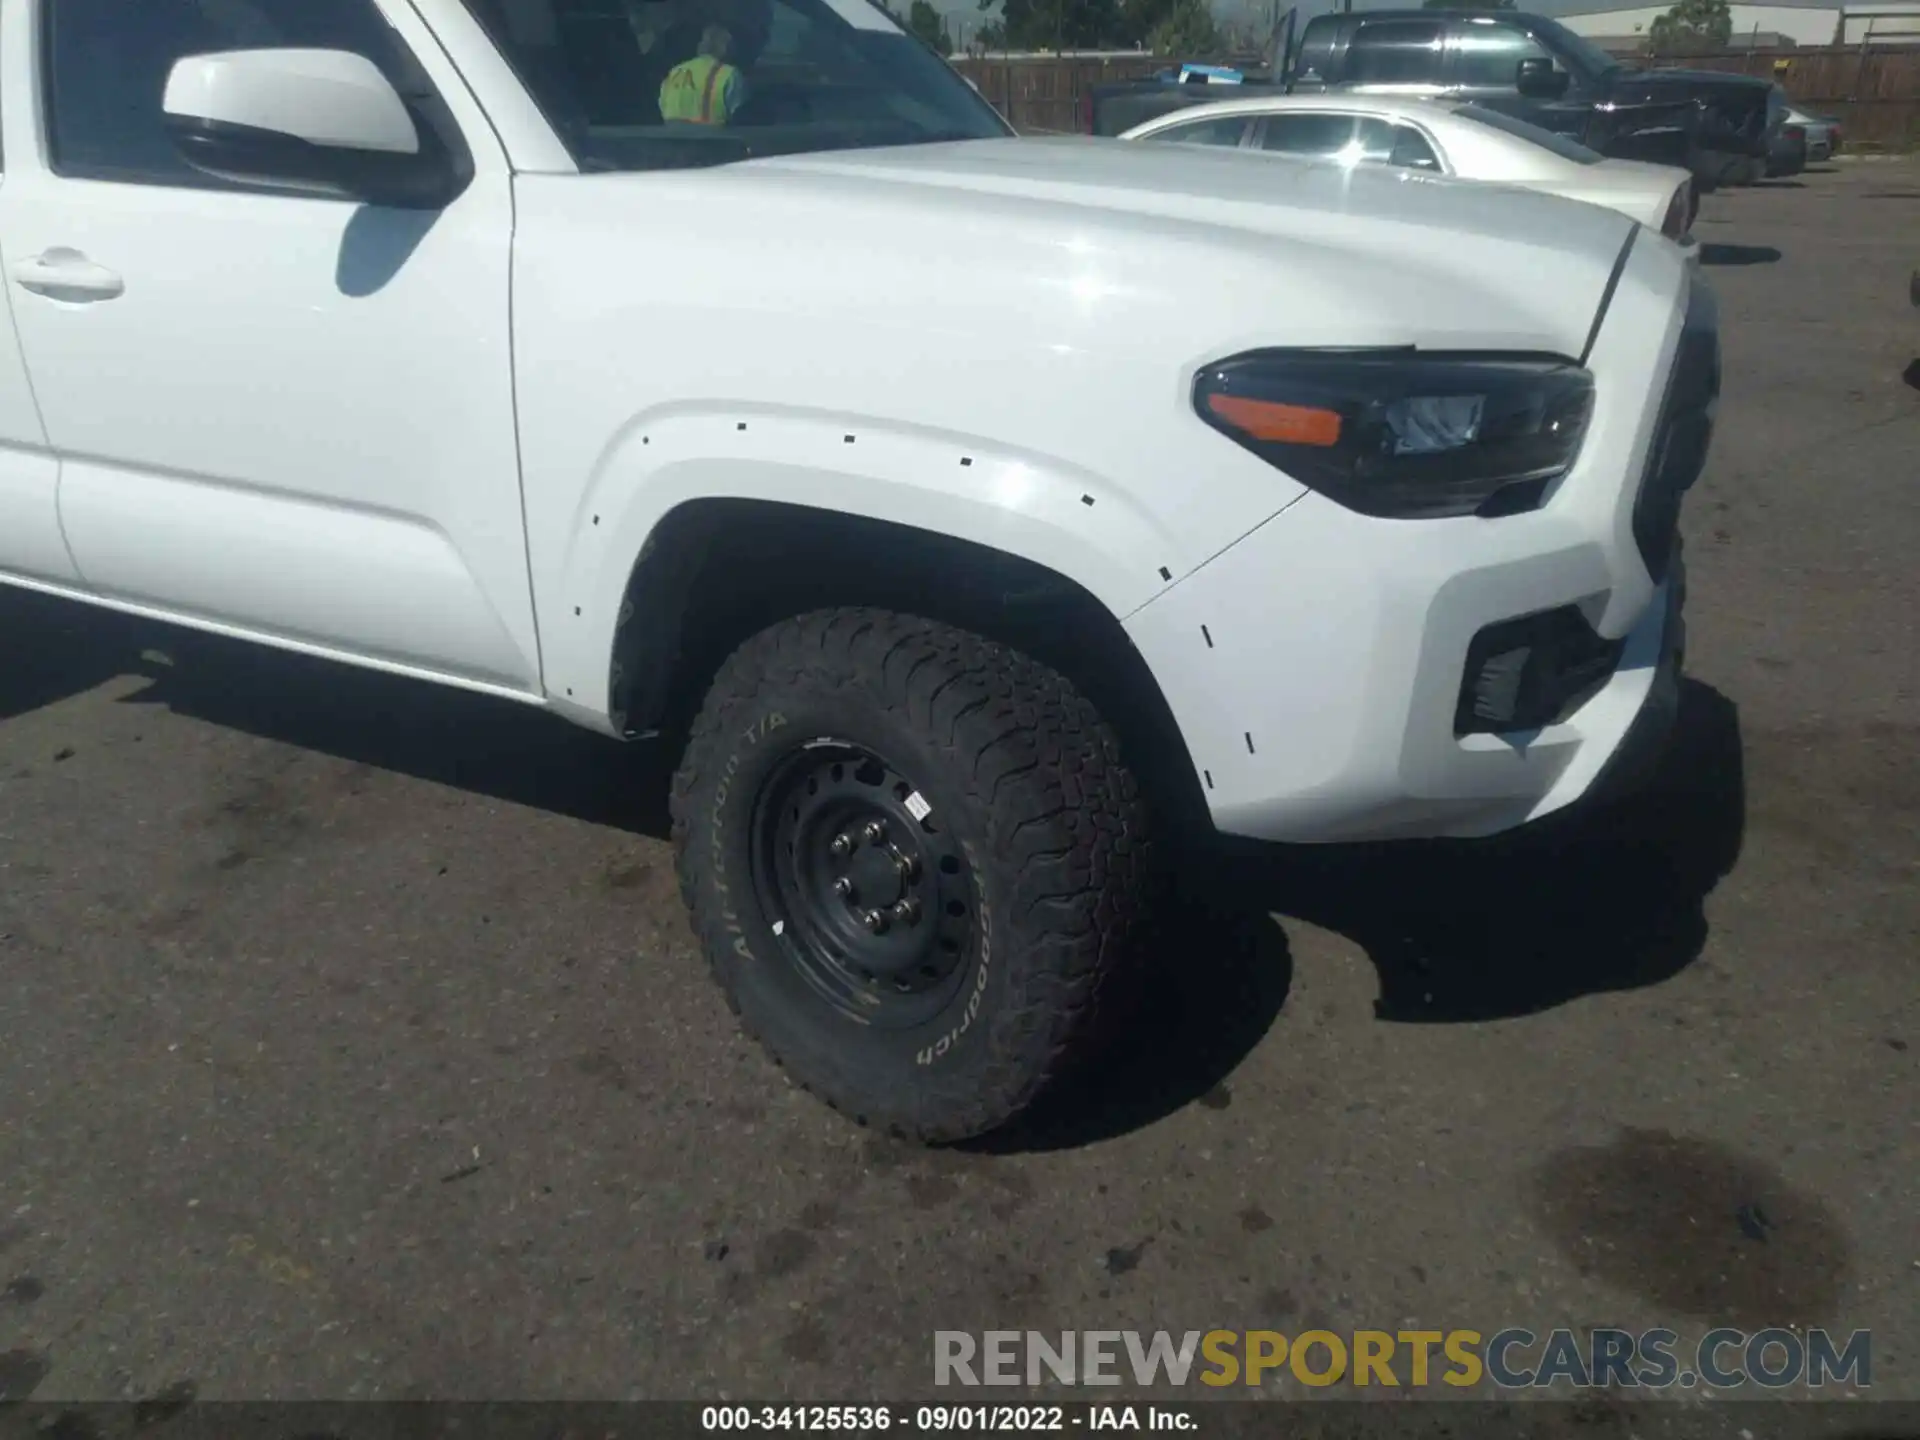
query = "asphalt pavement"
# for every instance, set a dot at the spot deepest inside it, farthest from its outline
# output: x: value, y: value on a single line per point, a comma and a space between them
x: 352, y: 1043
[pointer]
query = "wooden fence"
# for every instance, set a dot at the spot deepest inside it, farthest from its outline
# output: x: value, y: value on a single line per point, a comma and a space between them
x: 1045, y: 94
x: 1874, y: 92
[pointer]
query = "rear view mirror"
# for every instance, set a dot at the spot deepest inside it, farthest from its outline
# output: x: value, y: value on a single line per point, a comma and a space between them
x: 1536, y: 79
x: 321, y: 121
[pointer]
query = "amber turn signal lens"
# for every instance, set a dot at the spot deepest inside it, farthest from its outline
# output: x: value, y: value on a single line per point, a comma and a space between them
x: 1270, y: 420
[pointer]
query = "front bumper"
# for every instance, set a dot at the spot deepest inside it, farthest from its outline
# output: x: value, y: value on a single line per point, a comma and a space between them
x: 1638, y: 754
x: 1317, y: 669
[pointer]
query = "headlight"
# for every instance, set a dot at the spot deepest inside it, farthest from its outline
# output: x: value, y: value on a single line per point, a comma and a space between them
x: 1404, y: 435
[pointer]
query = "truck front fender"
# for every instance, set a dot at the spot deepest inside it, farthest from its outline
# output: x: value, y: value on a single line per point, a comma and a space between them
x: 1037, y: 508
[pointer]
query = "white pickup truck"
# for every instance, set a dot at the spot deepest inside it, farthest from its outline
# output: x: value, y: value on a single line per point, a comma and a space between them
x: 982, y: 512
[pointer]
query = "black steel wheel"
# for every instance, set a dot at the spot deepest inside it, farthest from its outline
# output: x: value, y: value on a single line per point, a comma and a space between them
x: 871, y: 899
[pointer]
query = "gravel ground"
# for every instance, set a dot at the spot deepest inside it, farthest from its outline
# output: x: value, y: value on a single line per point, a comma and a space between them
x: 352, y: 1043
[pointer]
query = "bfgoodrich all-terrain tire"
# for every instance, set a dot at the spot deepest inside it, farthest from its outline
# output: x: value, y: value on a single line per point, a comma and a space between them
x: 915, y: 860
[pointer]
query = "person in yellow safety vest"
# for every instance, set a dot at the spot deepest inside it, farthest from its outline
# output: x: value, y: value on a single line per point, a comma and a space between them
x: 705, y: 90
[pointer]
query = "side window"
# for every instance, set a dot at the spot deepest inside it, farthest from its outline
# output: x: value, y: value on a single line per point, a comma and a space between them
x: 1225, y: 131
x: 107, y: 63
x: 1396, y: 52
x: 1487, y: 56
x: 1308, y: 134
x: 786, y: 35
x: 1382, y: 142
x: 1361, y: 138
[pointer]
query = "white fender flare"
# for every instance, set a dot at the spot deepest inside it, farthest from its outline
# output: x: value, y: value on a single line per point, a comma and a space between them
x: 1034, y: 507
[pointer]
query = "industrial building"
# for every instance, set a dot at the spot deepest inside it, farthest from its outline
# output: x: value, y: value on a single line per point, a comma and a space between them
x: 1777, y: 24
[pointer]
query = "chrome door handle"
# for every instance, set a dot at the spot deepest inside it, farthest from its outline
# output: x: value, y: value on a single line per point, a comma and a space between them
x: 63, y: 274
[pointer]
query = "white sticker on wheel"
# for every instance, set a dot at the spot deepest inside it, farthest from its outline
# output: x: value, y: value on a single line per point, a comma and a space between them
x: 779, y: 927
x: 918, y: 807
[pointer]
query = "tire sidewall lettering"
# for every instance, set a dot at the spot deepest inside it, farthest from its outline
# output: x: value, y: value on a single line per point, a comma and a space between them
x: 717, y: 829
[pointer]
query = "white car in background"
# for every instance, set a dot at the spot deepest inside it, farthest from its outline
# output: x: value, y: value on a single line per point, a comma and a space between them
x: 1467, y: 142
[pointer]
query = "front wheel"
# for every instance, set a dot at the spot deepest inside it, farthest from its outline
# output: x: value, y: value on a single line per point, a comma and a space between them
x: 915, y: 860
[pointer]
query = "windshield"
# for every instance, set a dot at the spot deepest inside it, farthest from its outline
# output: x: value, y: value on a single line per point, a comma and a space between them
x: 1577, y: 50
x: 1559, y: 144
x: 672, y: 84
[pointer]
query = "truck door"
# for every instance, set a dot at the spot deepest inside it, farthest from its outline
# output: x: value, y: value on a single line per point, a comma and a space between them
x: 1396, y: 57
x: 1484, y: 58
x: 278, y: 414
x: 30, y: 543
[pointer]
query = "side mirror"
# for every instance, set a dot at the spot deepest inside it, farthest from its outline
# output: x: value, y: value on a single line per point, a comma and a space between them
x: 319, y: 121
x: 1536, y: 79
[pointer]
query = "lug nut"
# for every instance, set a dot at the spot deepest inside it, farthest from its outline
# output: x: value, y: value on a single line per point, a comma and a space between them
x: 906, y: 911
x: 875, y: 832
x: 843, y: 887
x: 875, y: 920
x: 908, y: 865
x: 843, y: 845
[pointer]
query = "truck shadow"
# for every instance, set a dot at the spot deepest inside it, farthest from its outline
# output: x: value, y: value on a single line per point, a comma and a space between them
x: 1589, y: 901
x: 1738, y: 255
x: 1583, y: 903
x: 1600, y: 899
x: 52, y: 649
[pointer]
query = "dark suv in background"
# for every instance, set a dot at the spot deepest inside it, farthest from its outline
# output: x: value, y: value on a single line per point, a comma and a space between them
x: 1525, y: 65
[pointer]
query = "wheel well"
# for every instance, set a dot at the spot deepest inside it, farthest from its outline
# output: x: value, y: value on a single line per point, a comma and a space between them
x: 715, y: 572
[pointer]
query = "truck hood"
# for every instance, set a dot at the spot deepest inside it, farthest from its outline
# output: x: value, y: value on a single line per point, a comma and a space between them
x: 1412, y: 259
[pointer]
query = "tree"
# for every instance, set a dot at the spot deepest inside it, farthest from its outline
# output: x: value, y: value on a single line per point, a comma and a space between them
x: 1692, y: 26
x: 926, y: 22
x: 1057, y: 24
x: 1137, y: 19
x: 1167, y: 27
x: 1187, y: 29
